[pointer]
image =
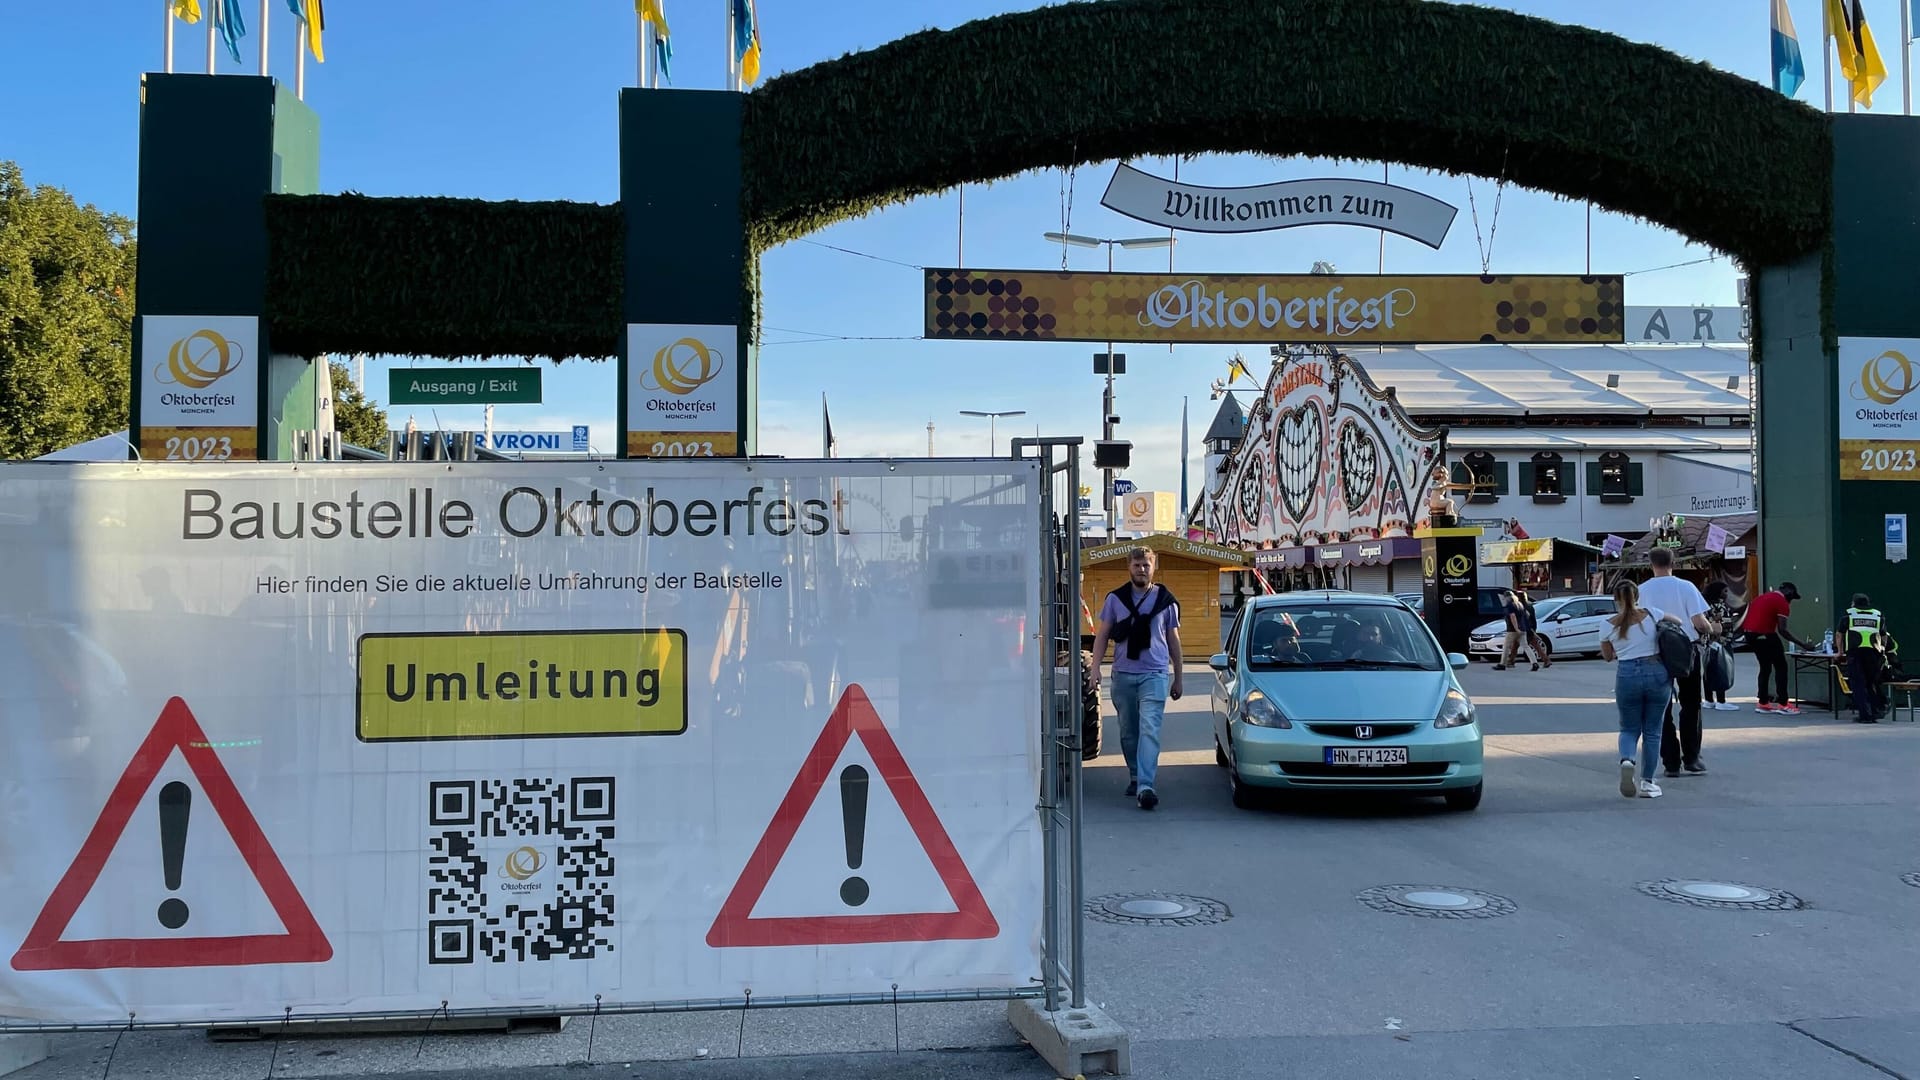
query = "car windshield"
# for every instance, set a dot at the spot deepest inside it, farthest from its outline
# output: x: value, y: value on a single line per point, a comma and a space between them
x: 1335, y: 635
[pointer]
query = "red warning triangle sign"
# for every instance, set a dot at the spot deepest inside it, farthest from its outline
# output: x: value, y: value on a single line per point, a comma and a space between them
x: 735, y: 927
x: 303, y: 943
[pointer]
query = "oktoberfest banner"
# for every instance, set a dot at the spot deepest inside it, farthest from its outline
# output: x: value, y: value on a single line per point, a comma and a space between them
x: 1058, y: 305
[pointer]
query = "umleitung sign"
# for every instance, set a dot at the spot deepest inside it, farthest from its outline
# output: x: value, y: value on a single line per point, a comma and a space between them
x: 1289, y: 204
x: 1060, y: 305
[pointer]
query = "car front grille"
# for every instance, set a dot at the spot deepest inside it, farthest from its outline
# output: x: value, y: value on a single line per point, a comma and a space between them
x: 1380, y: 731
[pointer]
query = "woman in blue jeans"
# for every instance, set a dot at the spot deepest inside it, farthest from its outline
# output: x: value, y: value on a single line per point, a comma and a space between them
x: 1641, y: 687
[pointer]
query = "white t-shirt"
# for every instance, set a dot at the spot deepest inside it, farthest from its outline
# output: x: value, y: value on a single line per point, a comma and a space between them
x: 1641, y: 639
x: 1677, y: 595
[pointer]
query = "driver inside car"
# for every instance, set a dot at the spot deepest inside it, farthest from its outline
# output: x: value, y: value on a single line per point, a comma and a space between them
x: 1277, y: 641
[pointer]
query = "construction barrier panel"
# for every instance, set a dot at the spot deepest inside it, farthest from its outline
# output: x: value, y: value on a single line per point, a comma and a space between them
x: 366, y: 740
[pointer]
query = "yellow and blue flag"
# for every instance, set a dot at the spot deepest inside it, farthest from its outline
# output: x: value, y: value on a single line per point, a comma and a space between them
x: 1859, y: 58
x: 187, y: 10
x: 1789, y: 71
x: 314, y: 20
x: 746, y: 41
x: 652, y: 13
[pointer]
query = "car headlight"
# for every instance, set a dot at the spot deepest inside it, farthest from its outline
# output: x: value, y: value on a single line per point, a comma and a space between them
x: 1260, y: 711
x: 1455, y: 710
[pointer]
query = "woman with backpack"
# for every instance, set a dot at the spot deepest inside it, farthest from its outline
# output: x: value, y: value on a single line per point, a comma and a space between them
x: 1641, y: 688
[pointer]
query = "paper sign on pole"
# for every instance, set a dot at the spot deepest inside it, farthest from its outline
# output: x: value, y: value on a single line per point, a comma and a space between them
x: 1896, y: 538
x: 554, y: 735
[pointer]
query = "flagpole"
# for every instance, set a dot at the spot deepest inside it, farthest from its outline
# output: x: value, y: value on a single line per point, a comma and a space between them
x: 1826, y: 39
x: 211, y: 17
x: 168, y: 4
x: 264, y: 16
x: 1906, y: 58
x: 960, y: 232
x: 640, y: 48
x: 733, y: 77
x: 300, y: 65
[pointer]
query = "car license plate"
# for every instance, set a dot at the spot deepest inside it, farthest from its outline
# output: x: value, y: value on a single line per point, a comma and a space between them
x: 1366, y: 755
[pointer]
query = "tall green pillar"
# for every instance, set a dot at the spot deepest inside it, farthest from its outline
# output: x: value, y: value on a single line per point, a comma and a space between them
x: 1823, y: 321
x: 687, y: 372
x: 206, y: 384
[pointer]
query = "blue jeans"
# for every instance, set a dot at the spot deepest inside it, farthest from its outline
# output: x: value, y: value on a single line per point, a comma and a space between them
x: 1641, y: 689
x: 1140, y: 699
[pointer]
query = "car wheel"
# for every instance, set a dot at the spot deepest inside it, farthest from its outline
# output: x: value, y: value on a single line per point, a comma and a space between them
x: 1219, y: 755
x: 1464, y: 798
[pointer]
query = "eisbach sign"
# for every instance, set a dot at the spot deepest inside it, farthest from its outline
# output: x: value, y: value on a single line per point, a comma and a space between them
x: 1692, y: 324
x: 1284, y: 205
x: 477, y: 784
x: 1343, y: 309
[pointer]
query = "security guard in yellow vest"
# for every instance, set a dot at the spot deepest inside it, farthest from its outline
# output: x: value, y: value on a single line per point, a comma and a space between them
x: 1865, y: 647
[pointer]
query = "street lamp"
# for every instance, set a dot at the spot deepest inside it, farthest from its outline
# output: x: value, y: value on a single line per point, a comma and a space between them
x: 993, y: 424
x: 1106, y: 400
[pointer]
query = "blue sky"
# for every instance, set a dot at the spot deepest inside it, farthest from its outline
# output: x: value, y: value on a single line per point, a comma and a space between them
x: 503, y: 103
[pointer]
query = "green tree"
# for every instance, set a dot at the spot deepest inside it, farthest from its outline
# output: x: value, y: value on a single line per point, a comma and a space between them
x: 66, y: 318
x: 360, y: 422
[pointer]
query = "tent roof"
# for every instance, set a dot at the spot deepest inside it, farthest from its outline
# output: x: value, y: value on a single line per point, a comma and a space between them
x: 1558, y: 380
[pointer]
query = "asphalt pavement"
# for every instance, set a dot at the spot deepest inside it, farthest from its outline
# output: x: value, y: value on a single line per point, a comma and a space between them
x: 1580, y: 963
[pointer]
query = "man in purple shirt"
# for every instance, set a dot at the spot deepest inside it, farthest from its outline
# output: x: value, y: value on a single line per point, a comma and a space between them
x: 1142, y: 620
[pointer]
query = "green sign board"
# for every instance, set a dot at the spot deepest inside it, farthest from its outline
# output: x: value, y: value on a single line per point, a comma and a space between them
x: 463, y: 386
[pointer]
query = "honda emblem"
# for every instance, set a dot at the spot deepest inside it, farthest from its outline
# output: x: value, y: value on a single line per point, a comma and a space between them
x: 1363, y: 732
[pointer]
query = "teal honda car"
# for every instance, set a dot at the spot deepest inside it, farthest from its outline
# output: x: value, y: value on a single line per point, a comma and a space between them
x: 1342, y: 691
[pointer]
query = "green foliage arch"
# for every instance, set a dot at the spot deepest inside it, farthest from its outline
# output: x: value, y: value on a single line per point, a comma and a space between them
x: 1464, y: 90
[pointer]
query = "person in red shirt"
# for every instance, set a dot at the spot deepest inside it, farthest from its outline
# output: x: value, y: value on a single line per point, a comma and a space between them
x: 1765, y: 624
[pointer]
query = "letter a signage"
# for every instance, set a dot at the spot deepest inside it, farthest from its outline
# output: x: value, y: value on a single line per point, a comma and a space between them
x: 303, y: 942
x: 736, y: 927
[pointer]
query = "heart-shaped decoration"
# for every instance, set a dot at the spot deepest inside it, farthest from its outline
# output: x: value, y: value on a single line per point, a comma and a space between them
x: 1250, y: 491
x: 1299, y: 456
x: 1359, y: 465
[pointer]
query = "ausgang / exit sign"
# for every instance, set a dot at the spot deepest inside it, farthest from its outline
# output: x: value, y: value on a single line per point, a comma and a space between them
x: 463, y: 386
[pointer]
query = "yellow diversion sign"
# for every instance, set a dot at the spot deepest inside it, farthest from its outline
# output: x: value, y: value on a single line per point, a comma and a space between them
x: 527, y: 685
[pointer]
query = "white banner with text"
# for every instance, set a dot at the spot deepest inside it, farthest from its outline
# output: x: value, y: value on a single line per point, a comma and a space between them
x: 390, y: 740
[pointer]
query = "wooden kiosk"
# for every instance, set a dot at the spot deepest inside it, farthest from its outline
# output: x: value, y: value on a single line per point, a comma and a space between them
x: 1190, y: 568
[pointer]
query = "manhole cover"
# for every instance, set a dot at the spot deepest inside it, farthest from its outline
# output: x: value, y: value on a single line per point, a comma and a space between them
x: 1722, y: 894
x: 1437, y: 902
x: 1157, y: 909
x: 1911, y: 879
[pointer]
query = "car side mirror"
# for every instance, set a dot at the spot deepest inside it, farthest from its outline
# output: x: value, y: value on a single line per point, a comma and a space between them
x: 1219, y: 661
x: 1457, y: 660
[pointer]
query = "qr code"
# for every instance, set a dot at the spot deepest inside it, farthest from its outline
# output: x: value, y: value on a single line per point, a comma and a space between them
x: 519, y: 869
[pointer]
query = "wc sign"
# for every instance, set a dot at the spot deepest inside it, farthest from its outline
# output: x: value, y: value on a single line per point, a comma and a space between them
x: 535, y: 442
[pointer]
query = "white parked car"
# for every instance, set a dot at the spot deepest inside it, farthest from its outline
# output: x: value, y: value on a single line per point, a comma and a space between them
x: 1572, y: 626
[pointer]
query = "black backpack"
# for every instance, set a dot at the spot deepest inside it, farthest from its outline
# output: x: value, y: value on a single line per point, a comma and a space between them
x: 1677, y: 653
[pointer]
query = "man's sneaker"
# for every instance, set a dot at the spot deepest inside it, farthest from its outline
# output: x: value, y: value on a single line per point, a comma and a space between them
x: 1132, y: 789
x: 1672, y: 771
x: 1726, y: 706
x: 1787, y: 710
x: 1627, y: 781
x: 1650, y: 790
x: 1148, y: 799
x: 1766, y: 706
x: 1499, y: 667
x: 1694, y: 768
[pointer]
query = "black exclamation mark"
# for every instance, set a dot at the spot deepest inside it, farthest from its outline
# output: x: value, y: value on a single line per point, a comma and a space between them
x: 853, y: 815
x: 176, y: 803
